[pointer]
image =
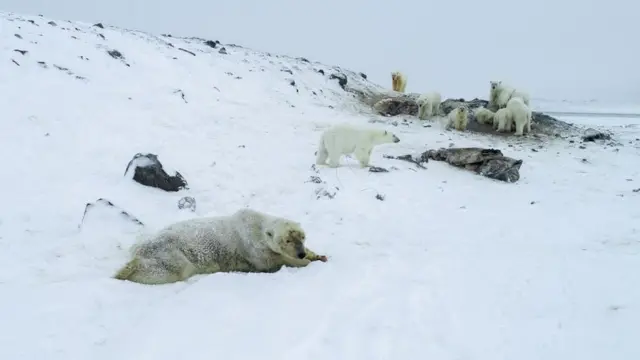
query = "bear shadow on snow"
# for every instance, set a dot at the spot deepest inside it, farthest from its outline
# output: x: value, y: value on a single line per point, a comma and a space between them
x: 149, y: 172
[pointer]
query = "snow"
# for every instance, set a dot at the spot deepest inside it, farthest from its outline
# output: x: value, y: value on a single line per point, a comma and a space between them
x: 450, y: 265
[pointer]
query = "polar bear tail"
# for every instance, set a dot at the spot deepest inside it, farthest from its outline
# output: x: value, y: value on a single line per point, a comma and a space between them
x: 127, y: 270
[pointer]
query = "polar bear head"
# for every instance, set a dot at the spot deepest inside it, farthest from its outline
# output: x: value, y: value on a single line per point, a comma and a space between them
x: 495, y: 84
x: 383, y: 137
x: 288, y: 237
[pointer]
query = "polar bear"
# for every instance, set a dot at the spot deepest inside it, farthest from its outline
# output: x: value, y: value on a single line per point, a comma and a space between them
x: 429, y: 105
x: 458, y: 118
x: 483, y: 115
x: 521, y: 115
x: 503, y: 120
x: 500, y: 94
x: 246, y: 241
x: 398, y: 81
x: 345, y: 139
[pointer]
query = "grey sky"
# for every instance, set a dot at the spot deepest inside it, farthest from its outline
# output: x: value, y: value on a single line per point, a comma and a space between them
x: 565, y: 49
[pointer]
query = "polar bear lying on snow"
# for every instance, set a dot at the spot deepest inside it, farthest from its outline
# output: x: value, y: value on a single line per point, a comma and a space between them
x: 345, y: 139
x: 247, y: 241
x: 483, y: 115
x: 429, y: 105
x: 500, y: 94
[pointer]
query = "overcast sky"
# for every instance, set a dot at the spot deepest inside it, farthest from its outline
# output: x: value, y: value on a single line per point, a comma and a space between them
x: 562, y: 49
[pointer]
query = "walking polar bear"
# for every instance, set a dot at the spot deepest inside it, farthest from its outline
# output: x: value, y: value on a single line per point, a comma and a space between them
x: 246, y: 241
x: 398, y: 81
x: 429, y: 105
x: 345, y: 139
x: 500, y: 94
x: 503, y: 120
x: 458, y: 118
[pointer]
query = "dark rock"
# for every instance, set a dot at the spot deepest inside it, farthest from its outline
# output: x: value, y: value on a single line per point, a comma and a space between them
x: 321, y: 71
x: 99, y: 25
x: 490, y: 163
x: 149, y: 172
x: 342, y: 79
x: 33, y: 22
x: 23, y: 52
x: 380, y: 197
x: 591, y: 135
x: 104, y: 203
x: 364, y: 76
x: 292, y: 83
x: 115, y: 54
x: 287, y: 70
x: 52, y: 23
x: 376, y: 169
x: 43, y: 64
x: 15, y: 62
x: 18, y: 36
x: 210, y: 43
x: 102, y: 37
x: 223, y: 51
x: 303, y: 59
x: 187, y: 51
x: 187, y: 202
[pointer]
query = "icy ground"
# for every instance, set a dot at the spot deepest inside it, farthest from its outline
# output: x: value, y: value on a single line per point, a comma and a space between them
x: 450, y: 265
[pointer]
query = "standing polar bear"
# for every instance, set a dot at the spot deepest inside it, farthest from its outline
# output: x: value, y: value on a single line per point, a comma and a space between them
x: 458, y: 118
x: 521, y: 115
x: 345, y: 139
x: 246, y: 241
x: 483, y: 115
x: 429, y: 105
x: 503, y: 120
x: 500, y: 94
x: 398, y: 81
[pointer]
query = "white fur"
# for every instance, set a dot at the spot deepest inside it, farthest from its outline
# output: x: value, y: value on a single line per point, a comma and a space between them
x: 521, y: 115
x: 458, y: 118
x: 345, y: 139
x: 398, y: 81
x: 500, y: 94
x: 247, y: 241
x: 503, y: 120
x: 429, y: 105
x: 483, y: 115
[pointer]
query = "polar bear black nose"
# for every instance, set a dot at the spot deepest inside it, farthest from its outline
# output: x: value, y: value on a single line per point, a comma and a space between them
x: 301, y: 255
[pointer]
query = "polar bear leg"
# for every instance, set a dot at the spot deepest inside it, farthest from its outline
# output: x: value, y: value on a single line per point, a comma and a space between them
x: 529, y: 124
x: 334, y: 159
x: 421, y: 111
x: 363, y: 155
x: 312, y: 256
x: 435, y: 108
x: 164, y: 269
x: 322, y: 154
x: 520, y: 123
x: 293, y: 262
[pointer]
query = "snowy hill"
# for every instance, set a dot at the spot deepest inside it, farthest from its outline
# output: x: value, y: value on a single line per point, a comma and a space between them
x: 451, y: 265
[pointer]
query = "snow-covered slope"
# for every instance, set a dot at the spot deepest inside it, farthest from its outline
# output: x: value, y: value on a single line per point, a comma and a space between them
x: 450, y: 265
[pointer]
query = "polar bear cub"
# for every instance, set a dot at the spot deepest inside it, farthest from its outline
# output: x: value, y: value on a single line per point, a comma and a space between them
x: 501, y: 93
x: 345, y: 139
x: 398, y: 81
x: 429, y: 105
x: 503, y: 120
x: 458, y: 118
x: 521, y: 115
x: 246, y: 241
x: 483, y: 115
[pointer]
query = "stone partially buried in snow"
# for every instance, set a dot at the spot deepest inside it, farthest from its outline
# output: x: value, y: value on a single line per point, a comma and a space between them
x: 148, y: 171
x: 490, y: 163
